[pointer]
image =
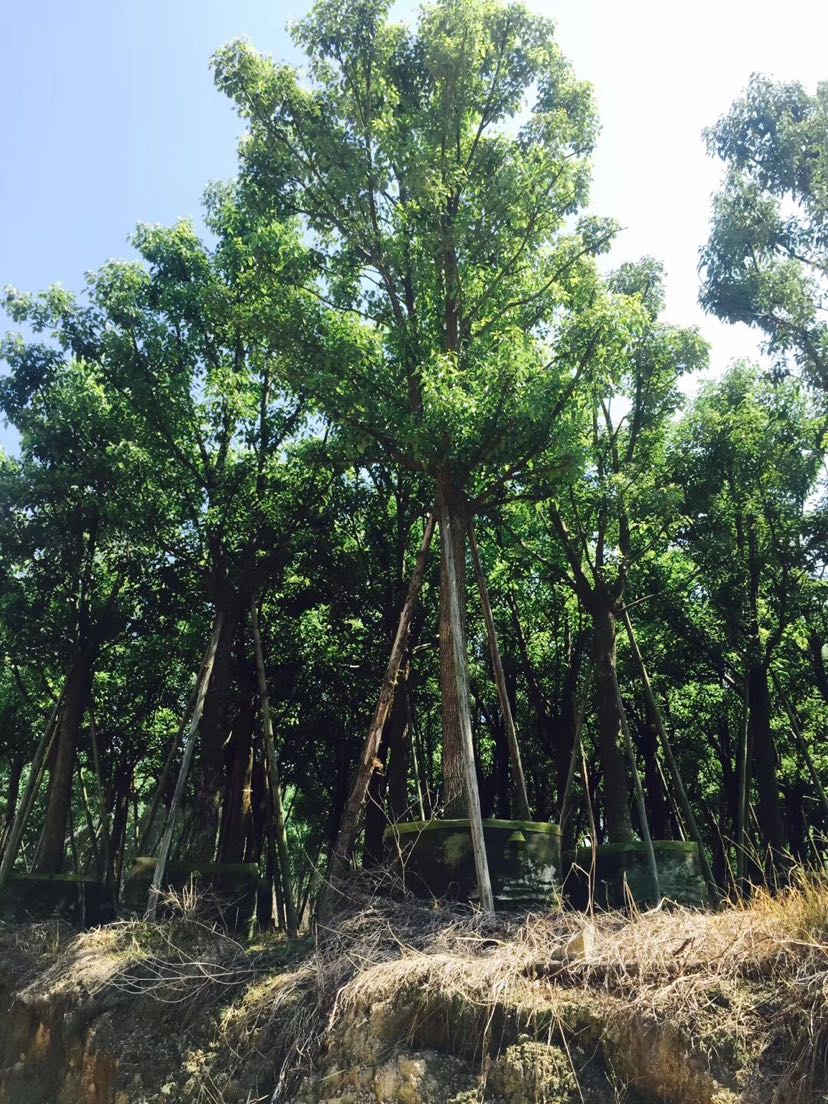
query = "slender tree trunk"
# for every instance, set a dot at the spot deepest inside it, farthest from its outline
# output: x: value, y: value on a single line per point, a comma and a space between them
x: 450, y: 554
x: 518, y: 778
x: 122, y: 784
x: 12, y: 794
x: 214, y: 729
x: 567, y: 731
x: 769, y: 807
x: 454, y: 794
x: 162, y: 793
x: 275, y: 784
x: 639, y: 793
x: 62, y: 764
x: 675, y: 775
x: 399, y: 751
x: 659, y: 811
x: 106, y: 835
x: 236, y: 807
x: 803, y: 747
x: 166, y: 839
x: 352, y: 810
x: 611, y: 755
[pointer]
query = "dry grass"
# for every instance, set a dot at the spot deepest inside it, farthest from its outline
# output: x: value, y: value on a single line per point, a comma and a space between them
x: 746, y: 987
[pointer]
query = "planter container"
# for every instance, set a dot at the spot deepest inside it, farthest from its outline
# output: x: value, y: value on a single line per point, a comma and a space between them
x: 79, y: 899
x: 621, y: 871
x: 436, y: 860
x: 235, y: 886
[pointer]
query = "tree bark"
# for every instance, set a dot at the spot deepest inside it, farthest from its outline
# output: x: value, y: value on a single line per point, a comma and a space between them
x: 352, y: 810
x: 61, y: 769
x: 461, y: 684
x: 769, y: 807
x: 388, y: 790
x: 215, y: 725
x: 236, y: 808
x: 166, y: 839
x: 454, y: 794
x: 615, y: 792
x: 12, y: 794
x: 518, y: 778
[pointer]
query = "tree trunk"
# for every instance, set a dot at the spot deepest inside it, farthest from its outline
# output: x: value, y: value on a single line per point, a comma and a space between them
x: 769, y: 808
x: 399, y: 750
x: 454, y: 796
x: 659, y: 811
x: 61, y: 768
x: 236, y: 808
x: 461, y: 681
x: 215, y: 725
x: 12, y: 794
x: 518, y: 778
x: 181, y: 781
x: 348, y: 821
x: 611, y: 755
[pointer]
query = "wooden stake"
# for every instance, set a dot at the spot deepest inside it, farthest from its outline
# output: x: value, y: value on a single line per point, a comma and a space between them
x: 36, y: 773
x: 349, y: 822
x: 152, y: 812
x: 166, y: 839
x: 639, y: 792
x: 566, y: 798
x: 518, y: 777
x: 672, y: 765
x: 484, y: 884
x: 106, y: 835
x: 744, y: 786
x: 275, y: 787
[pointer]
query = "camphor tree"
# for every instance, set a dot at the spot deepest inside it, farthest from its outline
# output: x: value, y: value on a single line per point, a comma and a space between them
x: 74, y: 553
x: 617, y: 508
x: 171, y: 350
x: 747, y: 455
x: 439, y: 173
x: 766, y: 262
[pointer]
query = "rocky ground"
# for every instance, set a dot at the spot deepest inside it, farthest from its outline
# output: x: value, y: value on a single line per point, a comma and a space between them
x: 399, y: 1003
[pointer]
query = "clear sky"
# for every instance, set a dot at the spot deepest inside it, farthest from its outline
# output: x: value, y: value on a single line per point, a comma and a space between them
x: 110, y: 117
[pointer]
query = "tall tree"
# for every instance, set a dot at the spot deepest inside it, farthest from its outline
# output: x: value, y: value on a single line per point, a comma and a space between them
x: 766, y: 261
x: 439, y: 172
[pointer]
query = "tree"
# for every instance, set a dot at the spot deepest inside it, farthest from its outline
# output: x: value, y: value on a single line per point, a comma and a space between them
x: 442, y: 209
x: 766, y: 261
x: 621, y: 508
x: 747, y: 455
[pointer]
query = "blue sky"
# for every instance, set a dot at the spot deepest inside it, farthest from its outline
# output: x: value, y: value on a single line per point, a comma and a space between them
x: 110, y: 117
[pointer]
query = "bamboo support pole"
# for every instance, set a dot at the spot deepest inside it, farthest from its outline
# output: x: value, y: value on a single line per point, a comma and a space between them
x: 36, y: 772
x: 672, y: 766
x: 639, y: 792
x: 283, y: 872
x: 484, y: 884
x: 349, y: 822
x: 518, y: 777
x: 166, y: 839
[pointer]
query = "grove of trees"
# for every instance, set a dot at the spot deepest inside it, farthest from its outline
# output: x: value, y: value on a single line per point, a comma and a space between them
x: 397, y: 322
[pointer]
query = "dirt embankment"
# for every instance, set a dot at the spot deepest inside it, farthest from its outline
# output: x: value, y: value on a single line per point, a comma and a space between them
x: 402, y: 1004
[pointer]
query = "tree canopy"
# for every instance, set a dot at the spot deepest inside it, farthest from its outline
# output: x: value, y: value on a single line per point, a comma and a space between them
x: 399, y: 322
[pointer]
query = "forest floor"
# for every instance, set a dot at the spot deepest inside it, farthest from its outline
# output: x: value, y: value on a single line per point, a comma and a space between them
x: 401, y: 1003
